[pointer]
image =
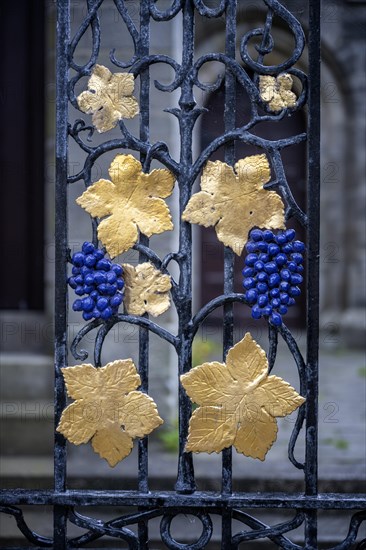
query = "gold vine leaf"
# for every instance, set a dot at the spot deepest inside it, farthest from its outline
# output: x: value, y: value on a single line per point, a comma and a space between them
x: 108, y: 98
x: 108, y: 411
x: 234, y: 201
x: 132, y: 200
x: 276, y: 91
x: 146, y: 289
x: 238, y: 402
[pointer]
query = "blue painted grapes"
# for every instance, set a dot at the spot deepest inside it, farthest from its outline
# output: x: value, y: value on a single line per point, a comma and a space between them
x: 272, y: 273
x: 99, y: 279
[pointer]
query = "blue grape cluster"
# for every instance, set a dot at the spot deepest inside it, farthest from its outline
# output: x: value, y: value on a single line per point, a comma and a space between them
x: 98, y: 278
x: 272, y: 273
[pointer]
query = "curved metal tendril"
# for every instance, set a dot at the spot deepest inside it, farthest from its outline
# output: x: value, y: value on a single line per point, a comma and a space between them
x: 356, y: 521
x: 117, y: 523
x: 135, y: 35
x: 300, y: 363
x: 142, y: 64
x: 203, y: 540
x: 104, y: 528
x: 261, y: 530
x: 93, y: 20
x: 298, y: 34
x: 34, y: 538
x: 168, y: 14
x: 206, y: 11
x: 83, y: 354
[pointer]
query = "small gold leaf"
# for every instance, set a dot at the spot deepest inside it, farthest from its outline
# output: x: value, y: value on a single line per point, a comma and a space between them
x: 109, y: 98
x: 113, y: 444
x: 81, y: 381
x: 204, y: 384
x: 278, y: 397
x: 254, y: 439
x: 276, y: 91
x: 107, y: 409
x: 234, y: 201
x: 238, y: 402
x: 139, y: 414
x: 78, y: 424
x: 210, y: 431
x: 146, y: 289
x: 132, y: 200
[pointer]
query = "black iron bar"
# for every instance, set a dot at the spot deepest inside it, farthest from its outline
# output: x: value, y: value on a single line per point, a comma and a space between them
x: 311, y: 453
x: 229, y: 255
x: 322, y: 501
x: 62, y: 71
x: 143, y: 457
x: 185, y: 479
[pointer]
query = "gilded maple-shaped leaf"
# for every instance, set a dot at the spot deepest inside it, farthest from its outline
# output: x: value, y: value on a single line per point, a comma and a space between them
x: 132, y: 200
x: 234, y: 201
x: 276, y: 91
x: 108, y: 410
x: 146, y: 289
x: 108, y: 98
x: 238, y: 402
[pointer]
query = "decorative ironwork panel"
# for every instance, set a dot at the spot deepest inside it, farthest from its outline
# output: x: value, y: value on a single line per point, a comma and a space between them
x: 249, y: 202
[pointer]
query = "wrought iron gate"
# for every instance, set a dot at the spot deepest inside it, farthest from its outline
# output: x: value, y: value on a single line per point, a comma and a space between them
x: 248, y: 73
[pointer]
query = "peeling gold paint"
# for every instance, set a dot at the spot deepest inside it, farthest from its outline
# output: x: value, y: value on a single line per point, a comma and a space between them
x: 108, y: 98
x: 146, y: 289
x: 276, y: 91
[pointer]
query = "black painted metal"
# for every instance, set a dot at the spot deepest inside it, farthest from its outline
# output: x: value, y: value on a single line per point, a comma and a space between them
x: 185, y: 498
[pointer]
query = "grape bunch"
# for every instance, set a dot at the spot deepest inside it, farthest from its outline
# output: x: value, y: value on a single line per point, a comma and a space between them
x: 99, y: 279
x: 272, y: 272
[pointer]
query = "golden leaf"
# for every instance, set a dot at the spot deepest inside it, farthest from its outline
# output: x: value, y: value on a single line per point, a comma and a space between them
x: 146, y: 289
x: 112, y: 443
x: 132, y: 200
x: 109, y: 98
x: 234, y: 201
x: 238, y: 402
x: 108, y: 410
x: 276, y: 91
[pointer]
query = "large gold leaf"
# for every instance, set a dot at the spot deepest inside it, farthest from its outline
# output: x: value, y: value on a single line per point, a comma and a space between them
x: 132, y: 200
x: 238, y: 402
x: 108, y: 409
x: 109, y: 98
x: 146, y: 289
x: 234, y: 201
x: 276, y: 91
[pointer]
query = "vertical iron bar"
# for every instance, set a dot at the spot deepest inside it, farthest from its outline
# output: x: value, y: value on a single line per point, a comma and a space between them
x: 229, y: 255
x: 63, y: 34
x: 311, y: 465
x: 143, y: 457
x: 185, y: 480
